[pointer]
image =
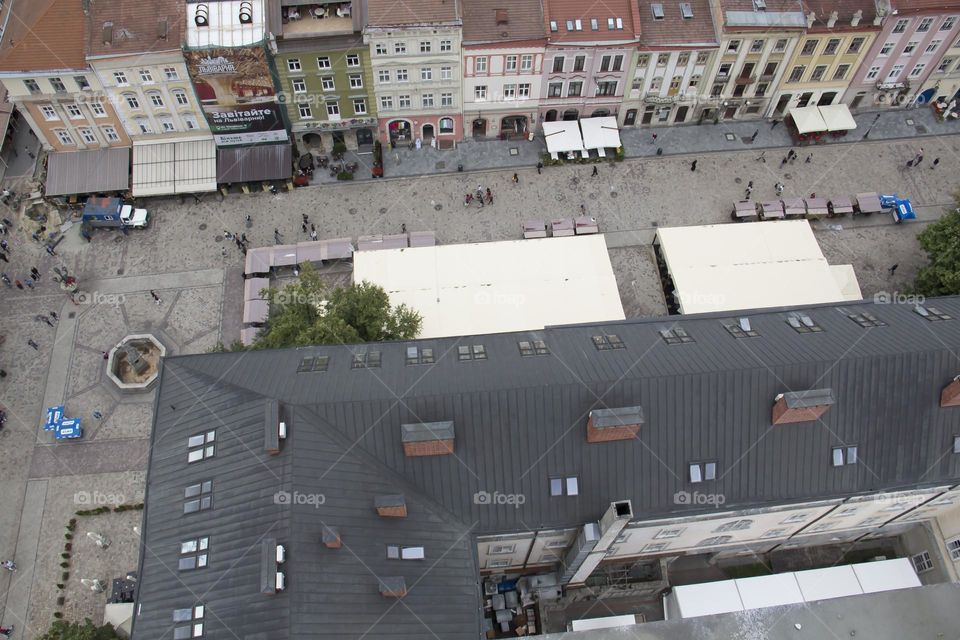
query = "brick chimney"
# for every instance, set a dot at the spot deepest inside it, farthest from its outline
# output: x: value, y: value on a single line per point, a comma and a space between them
x: 857, y: 17
x: 801, y: 406
x: 832, y: 20
x: 950, y: 396
x: 393, y: 587
x: 393, y: 506
x: 607, y: 425
x: 427, y: 439
x: 331, y: 538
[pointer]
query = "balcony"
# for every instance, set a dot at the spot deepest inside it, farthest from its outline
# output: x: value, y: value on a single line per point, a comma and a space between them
x: 745, y: 80
x: 317, y: 19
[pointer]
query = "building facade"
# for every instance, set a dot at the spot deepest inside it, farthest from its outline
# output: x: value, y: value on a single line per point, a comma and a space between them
x: 678, y: 45
x: 417, y: 72
x: 325, y: 74
x: 830, y: 54
x: 503, y: 52
x: 907, y: 51
x: 587, y: 58
x: 756, y: 40
x: 944, y: 82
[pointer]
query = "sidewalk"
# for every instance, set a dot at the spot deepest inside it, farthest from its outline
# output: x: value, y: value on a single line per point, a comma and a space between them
x: 675, y: 140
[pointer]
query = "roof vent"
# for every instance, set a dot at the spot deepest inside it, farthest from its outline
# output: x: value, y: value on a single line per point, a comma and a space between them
x: 801, y: 406
x: 281, y: 581
x: 272, y: 427
x: 281, y: 554
x: 686, y: 10
x: 759, y: 5
x: 269, y: 577
x: 950, y: 396
x: 427, y: 439
x: 202, y: 17
x: 392, y: 506
x: 607, y: 425
x: 162, y: 29
x: 331, y: 538
x: 657, y: 11
x: 393, y: 587
x: 246, y: 12
x: 107, y: 33
x: 501, y: 15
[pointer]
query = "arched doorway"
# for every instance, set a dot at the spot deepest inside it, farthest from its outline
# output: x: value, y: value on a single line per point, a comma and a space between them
x: 428, y: 133
x: 631, y: 118
x: 513, y: 127
x: 313, y: 140
x: 926, y: 97
x: 479, y: 128
x: 600, y: 113
x: 571, y: 114
x: 400, y: 131
x: 551, y: 116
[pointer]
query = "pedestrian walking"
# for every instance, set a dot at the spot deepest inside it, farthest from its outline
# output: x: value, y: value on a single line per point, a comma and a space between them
x: 813, y: 195
x: 595, y: 172
x: 4, y: 245
x: 489, y: 196
x: 909, y: 164
x: 9, y: 565
x: 755, y: 134
x: 693, y: 166
x: 313, y: 234
x: 19, y: 284
x: 784, y: 161
x: 774, y: 125
x: 56, y: 318
x: 29, y: 152
x: 97, y: 415
x: 276, y: 236
x: 306, y: 219
x: 809, y: 158
x: 749, y: 191
x: 236, y: 241
x: 304, y: 227
x: 243, y: 238
x: 35, y: 346
x: 403, y: 227
x: 6, y: 631
x: 539, y: 168
x: 779, y: 188
x: 893, y: 269
x: 6, y: 280
x: 51, y: 251
x: 227, y: 235
x: 35, y: 273
x: 583, y: 209
x: 936, y: 161
x: 919, y: 158
x: 156, y: 298
x: 249, y: 221
x: 516, y: 179
x: 4, y: 257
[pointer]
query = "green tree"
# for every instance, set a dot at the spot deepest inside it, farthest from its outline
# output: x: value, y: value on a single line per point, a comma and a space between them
x: 62, y: 630
x: 305, y: 313
x: 941, y: 241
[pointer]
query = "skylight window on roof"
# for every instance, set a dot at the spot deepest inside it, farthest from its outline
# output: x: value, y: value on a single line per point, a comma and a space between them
x: 476, y: 352
x: 315, y: 363
x: 418, y: 355
x: 201, y: 446
x: 741, y: 328
x: 866, y: 320
x: 193, y: 554
x: 686, y: 10
x: 676, y: 335
x: 553, y: 26
x: 366, y: 360
x: 606, y: 342
x: 198, y: 497
x: 657, y: 11
x: 931, y: 314
x: 533, y: 348
x: 569, y: 486
x: 193, y: 615
x: 760, y: 5
x: 802, y: 323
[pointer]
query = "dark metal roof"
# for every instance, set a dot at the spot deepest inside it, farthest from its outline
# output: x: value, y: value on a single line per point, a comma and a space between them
x: 93, y: 171
x: 520, y: 421
x: 252, y: 164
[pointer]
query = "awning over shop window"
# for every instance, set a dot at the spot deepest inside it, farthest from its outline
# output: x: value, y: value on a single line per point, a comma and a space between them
x: 808, y: 120
x: 253, y: 164
x: 837, y: 117
x: 94, y: 171
x: 600, y: 133
x: 563, y: 136
x: 165, y: 167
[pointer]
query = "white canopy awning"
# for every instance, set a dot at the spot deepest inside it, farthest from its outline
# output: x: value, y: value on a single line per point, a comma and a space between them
x: 165, y: 167
x: 837, y: 117
x: 600, y: 133
x: 808, y: 119
x: 562, y: 136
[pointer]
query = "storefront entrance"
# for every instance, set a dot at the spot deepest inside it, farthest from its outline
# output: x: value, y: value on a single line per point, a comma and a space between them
x: 513, y: 127
x: 571, y: 114
x: 364, y: 140
x: 428, y: 134
x: 479, y: 129
x: 631, y: 118
x: 399, y: 131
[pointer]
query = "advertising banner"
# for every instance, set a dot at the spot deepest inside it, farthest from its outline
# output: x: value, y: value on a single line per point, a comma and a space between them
x: 236, y: 91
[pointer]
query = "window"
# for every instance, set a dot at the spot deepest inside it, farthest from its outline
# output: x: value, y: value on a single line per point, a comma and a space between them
x: 948, y: 23
x: 709, y: 542
x: 555, y: 89
x: 317, y: 363
x: 293, y: 64
x: 922, y: 562
x: 934, y: 44
x: 569, y: 486
x: 194, y: 616
x: 477, y: 352
x: 386, y: 102
x: 956, y: 444
x: 773, y: 533
x: 911, y: 46
x: 58, y: 85
x: 833, y: 44
x: 669, y: 533
x: 856, y: 45
x: 733, y: 46
x: 366, y: 359
x: 756, y: 46
x: 511, y: 63
x: 683, y: 59
x: 841, y: 72
x: 802, y: 323
x: 400, y: 48
x: 818, y: 72
x: 534, y: 348
x: 615, y: 24
x: 145, y: 76
x: 425, y: 46
x: 509, y: 91
x: 143, y: 125
x: 166, y: 125
x: 98, y: 110
x: 398, y: 552
x: 526, y: 63
x: 594, y: 24
x: 886, y: 48
x: 63, y: 136
x: 49, y: 113
x: 327, y: 83
x: 32, y: 86
x: 353, y: 60
x: 953, y: 546
x: 761, y: 89
x: 676, y: 335
x: 664, y: 58
x: 416, y: 355
x: 299, y: 85
x: 873, y: 73
x: 734, y: 525
x: 170, y: 73
x: 323, y: 62
x: 446, y: 73
x: 606, y: 342
x: 380, y: 49
x: 156, y: 99
x: 841, y: 456
x: 425, y: 74
x: 656, y: 83
x: 578, y: 63
x: 558, y: 64
x: 198, y: 497
x: 446, y: 124
x: 402, y: 75
x: 780, y: 46
x: 617, y: 63
x: 120, y: 78
x: 87, y: 136
x: 608, y: 88
x: 703, y: 471
x: 797, y: 73
x: 501, y: 549
x: 945, y: 64
x: 695, y: 80
x: 701, y: 58
x: 180, y: 96
x: 480, y: 92
x: 305, y: 111
x: 427, y: 100
x: 356, y: 82
x: 481, y: 64
x: 795, y: 518
x: 917, y: 70
x: 383, y: 76
x: 111, y: 134
x: 901, y: 26
x: 556, y: 544
x: 190, y: 121
x: 193, y: 553
x: 446, y: 46
x: 446, y: 100
x: 925, y: 25
x: 809, y: 47
x: 742, y: 329
x: 497, y: 564
x: 574, y: 88
x: 81, y: 82
x: 895, y: 72
x: 201, y: 446
x: 359, y: 106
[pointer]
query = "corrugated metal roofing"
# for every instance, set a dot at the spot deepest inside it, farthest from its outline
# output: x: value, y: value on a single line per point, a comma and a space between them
x: 94, y: 171
x: 175, y: 166
x: 252, y: 164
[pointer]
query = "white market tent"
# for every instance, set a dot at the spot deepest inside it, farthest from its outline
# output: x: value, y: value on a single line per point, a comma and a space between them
x: 493, y: 287
x: 562, y: 137
x: 745, y: 594
x: 751, y: 266
x: 600, y: 133
x: 837, y: 117
x: 808, y: 119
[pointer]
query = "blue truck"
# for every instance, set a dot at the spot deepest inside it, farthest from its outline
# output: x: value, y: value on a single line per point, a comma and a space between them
x: 113, y: 213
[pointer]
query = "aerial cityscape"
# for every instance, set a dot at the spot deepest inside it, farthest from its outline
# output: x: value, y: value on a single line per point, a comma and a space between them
x: 472, y: 319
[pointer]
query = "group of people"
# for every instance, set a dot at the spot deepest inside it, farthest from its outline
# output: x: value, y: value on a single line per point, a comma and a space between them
x: 240, y: 239
x: 26, y: 283
x: 480, y: 196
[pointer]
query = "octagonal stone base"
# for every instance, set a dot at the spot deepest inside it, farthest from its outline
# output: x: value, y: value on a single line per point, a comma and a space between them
x: 122, y: 374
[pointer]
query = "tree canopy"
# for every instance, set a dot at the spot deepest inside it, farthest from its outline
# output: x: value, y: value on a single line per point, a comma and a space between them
x: 305, y: 312
x: 62, y: 630
x: 941, y: 241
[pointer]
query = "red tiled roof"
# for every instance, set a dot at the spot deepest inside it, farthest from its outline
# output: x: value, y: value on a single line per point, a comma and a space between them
x: 674, y: 29
x: 386, y: 13
x: 483, y: 20
x: 772, y: 5
x: 43, y: 35
x: 136, y: 26
x: 563, y: 10
x: 845, y: 10
x: 927, y: 6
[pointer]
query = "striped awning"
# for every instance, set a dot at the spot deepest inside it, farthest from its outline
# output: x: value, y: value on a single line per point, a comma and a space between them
x: 94, y: 171
x: 165, y: 167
